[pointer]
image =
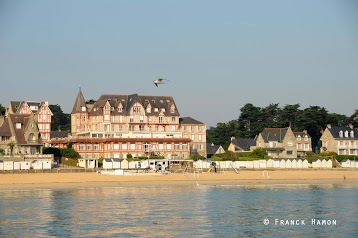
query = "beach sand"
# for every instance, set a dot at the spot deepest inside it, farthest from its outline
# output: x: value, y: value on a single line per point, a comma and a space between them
x: 245, y: 177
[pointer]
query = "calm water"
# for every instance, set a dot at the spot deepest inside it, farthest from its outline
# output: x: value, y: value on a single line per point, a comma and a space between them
x: 181, y: 211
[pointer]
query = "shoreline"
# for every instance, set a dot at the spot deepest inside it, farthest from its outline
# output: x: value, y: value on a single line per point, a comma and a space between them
x: 260, y: 177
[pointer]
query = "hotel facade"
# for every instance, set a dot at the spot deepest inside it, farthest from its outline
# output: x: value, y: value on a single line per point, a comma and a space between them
x: 117, y: 125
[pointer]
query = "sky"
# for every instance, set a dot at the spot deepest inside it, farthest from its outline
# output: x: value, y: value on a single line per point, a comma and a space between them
x: 218, y: 55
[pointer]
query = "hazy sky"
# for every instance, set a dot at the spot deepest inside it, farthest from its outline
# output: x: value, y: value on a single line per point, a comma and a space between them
x: 219, y: 55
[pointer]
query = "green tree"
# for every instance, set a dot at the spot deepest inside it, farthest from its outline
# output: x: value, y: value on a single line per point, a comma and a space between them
x: 314, y: 120
x: 91, y: 101
x: 337, y: 119
x: 250, y: 121
x: 60, y: 120
x: 289, y: 115
x: 11, y: 145
x: 2, y: 152
x: 2, y: 110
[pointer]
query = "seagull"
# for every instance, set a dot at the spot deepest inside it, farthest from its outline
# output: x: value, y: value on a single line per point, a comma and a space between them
x: 159, y: 81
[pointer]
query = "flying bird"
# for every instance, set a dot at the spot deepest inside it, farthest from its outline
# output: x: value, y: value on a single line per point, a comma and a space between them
x: 159, y: 81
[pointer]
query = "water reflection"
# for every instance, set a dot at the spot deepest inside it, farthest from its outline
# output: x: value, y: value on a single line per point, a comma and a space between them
x: 160, y: 211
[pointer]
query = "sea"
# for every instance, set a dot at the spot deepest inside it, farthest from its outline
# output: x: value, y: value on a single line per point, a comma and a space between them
x: 197, y: 210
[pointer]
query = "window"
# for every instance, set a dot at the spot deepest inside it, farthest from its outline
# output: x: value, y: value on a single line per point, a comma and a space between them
x: 83, y: 108
x: 106, y: 117
x: 185, y: 146
x: 124, y: 146
x: 82, y: 147
x: 141, y: 127
x: 340, y: 133
x: 192, y: 137
x: 160, y: 119
x: 289, y: 152
x: 169, y: 146
x: 141, y: 119
x: 156, y: 109
x: 176, y: 146
x: 149, y: 109
x: 352, y: 134
x: 96, y: 146
x: 89, y: 147
x: 200, y: 147
x: 200, y: 137
x: 150, y: 118
x: 131, y: 119
x: 131, y: 127
x: 289, y: 143
x: 173, y: 119
x: 119, y: 109
x: 306, y: 138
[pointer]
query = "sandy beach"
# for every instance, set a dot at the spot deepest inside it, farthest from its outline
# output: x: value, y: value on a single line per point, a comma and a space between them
x: 68, y: 180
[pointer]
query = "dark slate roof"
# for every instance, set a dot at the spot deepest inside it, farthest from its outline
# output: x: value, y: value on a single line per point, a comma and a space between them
x: 126, y: 102
x: 5, y: 128
x: 108, y: 160
x: 211, y: 148
x: 59, y: 134
x: 274, y: 134
x: 244, y: 143
x: 116, y: 160
x: 336, y: 129
x: 20, y: 133
x: 189, y: 120
x: 301, y: 133
x: 15, y: 106
x: 79, y: 103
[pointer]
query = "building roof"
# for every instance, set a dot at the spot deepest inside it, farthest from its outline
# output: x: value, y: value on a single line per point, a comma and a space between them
x: 79, y: 103
x: 301, y: 133
x: 274, y: 134
x: 5, y: 128
x: 211, y: 148
x: 189, y: 121
x: 122, y: 104
x: 344, y: 130
x: 243, y: 143
x: 59, y: 134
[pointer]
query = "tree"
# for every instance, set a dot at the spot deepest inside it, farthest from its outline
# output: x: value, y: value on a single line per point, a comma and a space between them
x: 288, y: 116
x: 337, y: 119
x: 91, y: 101
x: 11, y: 145
x: 250, y: 121
x: 2, y: 110
x: 60, y: 120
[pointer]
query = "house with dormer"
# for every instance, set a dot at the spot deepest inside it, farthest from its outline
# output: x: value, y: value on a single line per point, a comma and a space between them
x: 19, y: 135
x: 278, y: 142
x: 241, y: 144
x: 117, y: 125
x: 303, y: 142
x: 342, y: 140
x: 42, y: 115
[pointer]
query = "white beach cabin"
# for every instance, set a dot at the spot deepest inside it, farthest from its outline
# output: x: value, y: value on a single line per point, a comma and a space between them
x: 107, y: 164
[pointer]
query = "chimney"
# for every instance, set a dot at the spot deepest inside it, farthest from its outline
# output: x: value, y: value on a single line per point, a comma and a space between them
x: 351, y: 126
x: 329, y: 126
x: 305, y: 131
x: 232, y: 138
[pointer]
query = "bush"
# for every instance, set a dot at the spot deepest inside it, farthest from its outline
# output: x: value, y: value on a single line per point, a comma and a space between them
x: 197, y: 157
x: 2, y: 152
x: 328, y: 154
x: 51, y: 150
x: 69, y: 153
x: 259, y: 153
x: 339, y: 158
x: 129, y: 156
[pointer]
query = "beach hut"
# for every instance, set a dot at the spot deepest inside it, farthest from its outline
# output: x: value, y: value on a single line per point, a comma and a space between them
x: 270, y: 163
x: 36, y: 164
x: 282, y: 163
x: 8, y: 165
x: 305, y: 164
x: 346, y: 163
x: 206, y: 164
x: 1, y: 165
x: 17, y: 165
x: 240, y: 164
x: 329, y: 163
x: 323, y: 163
x: 263, y: 164
x: 124, y: 164
x: 294, y: 163
x: 25, y: 165
x: 198, y: 164
x: 46, y: 164
x: 299, y: 163
x: 107, y: 164
x: 276, y: 163
x: 256, y: 164
x: 288, y: 164
x: 317, y: 163
x: 117, y: 163
x: 250, y: 164
x: 353, y: 164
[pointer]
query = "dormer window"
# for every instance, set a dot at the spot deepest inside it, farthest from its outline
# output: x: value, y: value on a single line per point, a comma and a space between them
x: 352, y: 134
x: 298, y: 137
x: 340, y: 133
x: 346, y: 134
x: 83, y: 108
x: 156, y: 109
x: 18, y: 125
x: 306, y: 137
x: 120, y: 109
x: 148, y: 109
x: 163, y: 109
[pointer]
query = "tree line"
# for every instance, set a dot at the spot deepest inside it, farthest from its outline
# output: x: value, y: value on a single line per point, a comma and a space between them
x: 253, y: 119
